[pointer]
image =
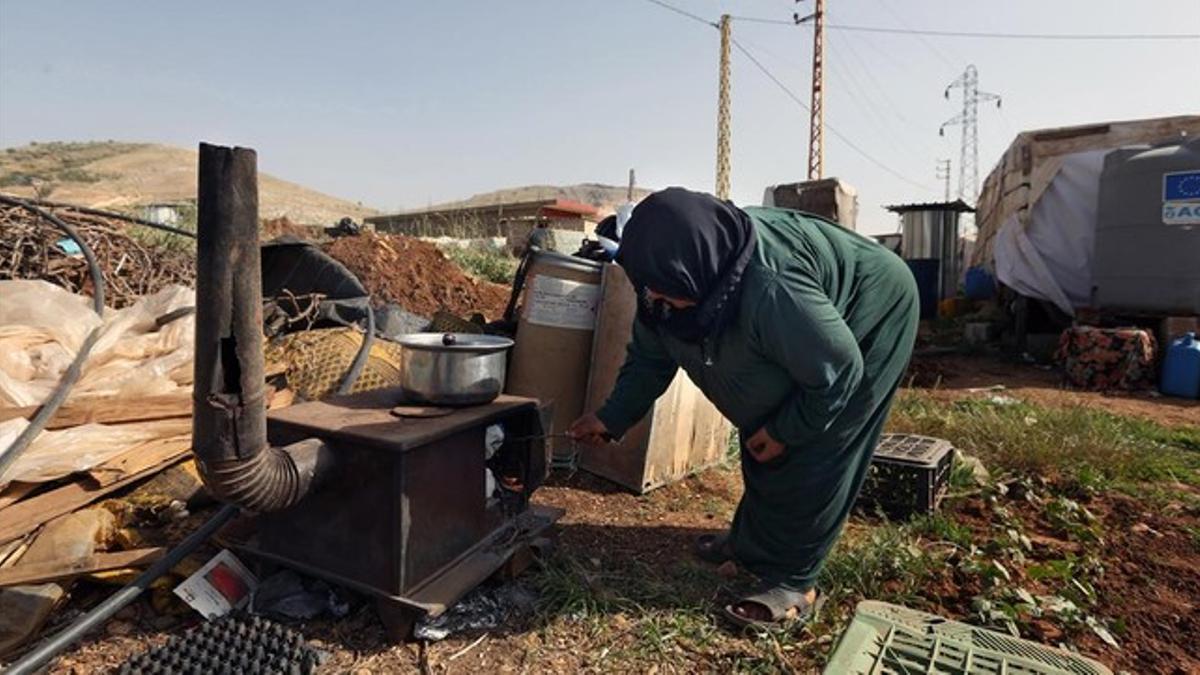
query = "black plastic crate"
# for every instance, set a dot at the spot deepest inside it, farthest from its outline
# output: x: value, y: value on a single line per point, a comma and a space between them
x: 234, y: 643
x: 909, y: 475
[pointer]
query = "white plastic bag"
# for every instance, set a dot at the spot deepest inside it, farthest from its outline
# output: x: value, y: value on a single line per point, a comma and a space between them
x: 42, y: 327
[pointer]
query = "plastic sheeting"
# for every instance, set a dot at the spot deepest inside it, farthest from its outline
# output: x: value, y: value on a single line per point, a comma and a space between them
x: 55, y: 454
x: 1051, y: 257
x: 43, y: 325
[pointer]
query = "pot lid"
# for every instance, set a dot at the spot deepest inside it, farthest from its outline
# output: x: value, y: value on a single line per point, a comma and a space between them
x: 458, y: 342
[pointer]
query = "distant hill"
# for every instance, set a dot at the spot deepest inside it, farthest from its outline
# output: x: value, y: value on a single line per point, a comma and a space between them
x: 125, y: 176
x: 604, y: 197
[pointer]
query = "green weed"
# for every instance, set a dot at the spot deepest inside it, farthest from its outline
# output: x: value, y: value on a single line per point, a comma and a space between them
x: 489, y: 264
x: 1091, y: 447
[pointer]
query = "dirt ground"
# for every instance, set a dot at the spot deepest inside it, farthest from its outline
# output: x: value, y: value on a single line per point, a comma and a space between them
x: 1150, y: 588
x: 954, y: 376
x: 622, y: 593
x: 417, y: 276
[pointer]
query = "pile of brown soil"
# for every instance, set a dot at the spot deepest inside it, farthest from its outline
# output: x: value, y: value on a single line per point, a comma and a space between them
x: 278, y: 227
x: 417, y: 276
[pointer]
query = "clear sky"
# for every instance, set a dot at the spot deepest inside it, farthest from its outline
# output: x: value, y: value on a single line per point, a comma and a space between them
x: 402, y: 104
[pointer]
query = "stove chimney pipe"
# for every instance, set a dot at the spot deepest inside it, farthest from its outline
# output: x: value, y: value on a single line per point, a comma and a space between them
x: 229, y: 423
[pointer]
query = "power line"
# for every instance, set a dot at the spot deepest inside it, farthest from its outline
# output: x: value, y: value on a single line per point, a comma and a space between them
x: 1020, y: 36
x: 761, y: 19
x: 981, y: 34
x: 837, y: 134
x: 933, y: 49
x: 684, y: 12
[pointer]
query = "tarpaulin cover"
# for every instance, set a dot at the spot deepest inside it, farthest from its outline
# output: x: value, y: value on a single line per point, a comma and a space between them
x: 1051, y: 257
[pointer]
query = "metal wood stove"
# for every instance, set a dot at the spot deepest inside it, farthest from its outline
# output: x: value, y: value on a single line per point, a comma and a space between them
x: 402, y: 509
x: 402, y: 514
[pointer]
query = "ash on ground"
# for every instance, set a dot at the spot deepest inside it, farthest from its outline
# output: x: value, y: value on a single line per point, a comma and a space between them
x: 483, y: 608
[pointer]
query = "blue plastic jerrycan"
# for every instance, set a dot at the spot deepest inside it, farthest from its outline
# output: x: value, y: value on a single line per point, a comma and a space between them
x: 1181, y: 368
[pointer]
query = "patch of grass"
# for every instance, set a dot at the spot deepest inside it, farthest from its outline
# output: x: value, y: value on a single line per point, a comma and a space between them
x: 940, y: 527
x: 489, y: 264
x: 1194, y: 535
x: 884, y: 563
x: 1091, y: 446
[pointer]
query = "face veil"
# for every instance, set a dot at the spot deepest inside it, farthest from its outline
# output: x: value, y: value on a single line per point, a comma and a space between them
x: 690, y: 246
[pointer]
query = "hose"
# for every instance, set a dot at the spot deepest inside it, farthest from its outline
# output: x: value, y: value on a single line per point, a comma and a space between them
x: 510, y: 310
x: 360, y: 359
x: 46, y: 412
x: 109, y: 214
x: 35, y: 659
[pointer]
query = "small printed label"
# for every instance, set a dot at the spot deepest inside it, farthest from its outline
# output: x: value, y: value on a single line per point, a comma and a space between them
x: 1181, y: 198
x: 1181, y: 213
x: 561, y: 303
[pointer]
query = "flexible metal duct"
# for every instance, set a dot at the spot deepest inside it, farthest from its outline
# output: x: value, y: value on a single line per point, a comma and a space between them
x: 229, y: 427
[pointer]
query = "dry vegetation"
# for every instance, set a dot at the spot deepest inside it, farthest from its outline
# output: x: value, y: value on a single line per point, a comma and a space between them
x: 124, y: 176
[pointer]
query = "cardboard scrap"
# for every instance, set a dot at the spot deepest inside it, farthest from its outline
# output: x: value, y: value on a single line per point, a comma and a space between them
x: 23, y: 610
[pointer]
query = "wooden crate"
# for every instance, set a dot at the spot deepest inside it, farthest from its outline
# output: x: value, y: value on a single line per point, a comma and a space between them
x: 681, y: 435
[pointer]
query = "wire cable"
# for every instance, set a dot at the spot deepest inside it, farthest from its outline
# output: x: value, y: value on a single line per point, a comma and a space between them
x: 937, y: 52
x: 1017, y: 36
x: 684, y: 12
x: 837, y: 134
x: 109, y: 214
x: 978, y: 34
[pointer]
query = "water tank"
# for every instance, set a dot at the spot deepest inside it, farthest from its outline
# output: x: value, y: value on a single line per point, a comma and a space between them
x: 1181, y: 368
x: 1147, y: 249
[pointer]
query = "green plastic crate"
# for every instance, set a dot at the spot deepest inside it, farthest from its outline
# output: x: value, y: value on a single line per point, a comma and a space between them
x: 889, y: 639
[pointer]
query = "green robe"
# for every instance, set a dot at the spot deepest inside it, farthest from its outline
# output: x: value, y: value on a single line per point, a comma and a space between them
x: 823, y: 334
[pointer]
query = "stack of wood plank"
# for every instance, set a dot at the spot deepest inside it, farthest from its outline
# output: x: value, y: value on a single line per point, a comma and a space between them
x: 52, y: 531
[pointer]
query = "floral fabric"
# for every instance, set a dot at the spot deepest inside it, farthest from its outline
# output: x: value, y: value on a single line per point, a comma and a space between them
x: 1105, y: 359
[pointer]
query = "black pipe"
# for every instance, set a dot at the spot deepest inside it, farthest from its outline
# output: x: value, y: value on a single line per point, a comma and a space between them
x: 229, y: 421
x: 100, y: 613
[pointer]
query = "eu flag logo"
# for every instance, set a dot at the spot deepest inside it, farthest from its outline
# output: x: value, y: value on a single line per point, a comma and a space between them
x: 1181, y: 186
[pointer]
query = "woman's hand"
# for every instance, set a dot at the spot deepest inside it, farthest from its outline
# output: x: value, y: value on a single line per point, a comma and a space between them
x: 762, y: 447
x: 589, y: 429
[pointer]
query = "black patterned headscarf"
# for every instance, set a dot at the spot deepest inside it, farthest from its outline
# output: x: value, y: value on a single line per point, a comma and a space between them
x: 692, y: 246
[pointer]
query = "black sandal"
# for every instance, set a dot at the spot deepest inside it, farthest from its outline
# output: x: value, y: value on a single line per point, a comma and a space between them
x: 713, y: 548
x: 783, y: 604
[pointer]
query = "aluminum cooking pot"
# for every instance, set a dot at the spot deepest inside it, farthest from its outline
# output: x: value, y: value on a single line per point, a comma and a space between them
x: 452, y: 368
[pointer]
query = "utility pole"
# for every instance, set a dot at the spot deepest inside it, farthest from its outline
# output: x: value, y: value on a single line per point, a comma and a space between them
x: 723, y: 114
x: 816, y: 122
x: 629, y: 192
x: 968, y: 119
x: 943, y: 174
